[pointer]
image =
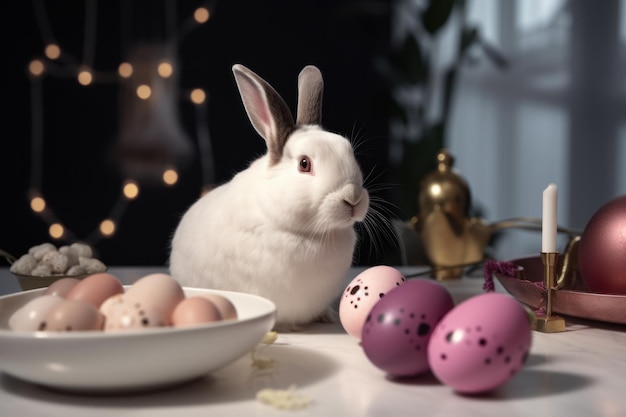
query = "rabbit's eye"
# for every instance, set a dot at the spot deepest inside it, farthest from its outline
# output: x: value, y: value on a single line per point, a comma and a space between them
x: 305, y: 164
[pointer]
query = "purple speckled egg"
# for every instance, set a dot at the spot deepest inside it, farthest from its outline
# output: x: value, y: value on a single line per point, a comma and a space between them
x: 363, y: 292
x: 397, y: 330
x: 481, y: 343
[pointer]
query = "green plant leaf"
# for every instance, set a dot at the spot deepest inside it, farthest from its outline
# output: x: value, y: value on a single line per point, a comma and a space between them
x: 437, y: 14
x: 496, y: 57
x: 419, y: 159
x: 468, y: 38
x: 411, y: 62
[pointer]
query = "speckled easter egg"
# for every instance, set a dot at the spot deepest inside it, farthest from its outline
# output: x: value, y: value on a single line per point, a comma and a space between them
x: 363, y: 292
x: 397, y: 330
x: 481, y: 343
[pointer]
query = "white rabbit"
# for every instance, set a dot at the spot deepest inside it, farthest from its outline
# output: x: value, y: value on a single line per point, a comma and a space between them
x: 283, y: 228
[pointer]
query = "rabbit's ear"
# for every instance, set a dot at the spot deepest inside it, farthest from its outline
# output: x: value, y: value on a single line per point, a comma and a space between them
x: 266, y: 109
x: 310, y: 92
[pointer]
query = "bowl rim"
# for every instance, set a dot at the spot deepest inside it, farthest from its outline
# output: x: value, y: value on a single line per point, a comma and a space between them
x: 29, y: 282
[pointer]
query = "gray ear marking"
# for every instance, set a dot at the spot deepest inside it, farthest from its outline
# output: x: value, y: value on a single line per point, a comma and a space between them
x: 269, y: 114
x: 310, y: 93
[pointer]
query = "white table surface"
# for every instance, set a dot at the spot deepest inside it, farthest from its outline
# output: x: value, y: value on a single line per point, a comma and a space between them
x: 580, y: 372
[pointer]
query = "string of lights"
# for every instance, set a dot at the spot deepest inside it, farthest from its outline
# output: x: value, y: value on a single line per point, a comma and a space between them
x: 59, y: 63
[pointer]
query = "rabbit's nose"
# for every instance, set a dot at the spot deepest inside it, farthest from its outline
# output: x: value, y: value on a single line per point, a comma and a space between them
x: 356, y: 199
x: 352, y: 194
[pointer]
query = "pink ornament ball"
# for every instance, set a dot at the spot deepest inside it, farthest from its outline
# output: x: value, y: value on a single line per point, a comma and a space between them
x: 602, y: 249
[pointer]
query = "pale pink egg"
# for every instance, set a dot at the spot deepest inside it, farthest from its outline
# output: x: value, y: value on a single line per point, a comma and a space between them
x: 156, y: 292
x: 96, y: 288
x: 30, y: 315
x: 362, y: 293
x: 193, y: 311
x: 224, y: 305
x: 72, y: 315
x: 61, y: 286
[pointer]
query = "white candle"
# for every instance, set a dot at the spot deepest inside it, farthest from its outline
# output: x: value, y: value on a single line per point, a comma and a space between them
x: 548, y: 219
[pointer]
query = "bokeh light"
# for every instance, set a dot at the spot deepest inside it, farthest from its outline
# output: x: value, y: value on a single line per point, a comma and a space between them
x: 170, y: 177
x: 56, y: 230
x: 125, y: 70
x: 107, y: 227
x: 37, y: 204
x: 198, y: 96
x: 201, y: 15
x: 165, y: 69
x: 131, y: 189
x: 144, y: 91
x: 85, y: 77
x: 36, y: 67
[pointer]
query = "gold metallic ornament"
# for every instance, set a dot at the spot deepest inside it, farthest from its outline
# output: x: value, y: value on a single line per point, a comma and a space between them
x: 450, y: 237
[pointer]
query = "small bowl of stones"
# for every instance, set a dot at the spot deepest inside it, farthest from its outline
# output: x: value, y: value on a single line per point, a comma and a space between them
x: 45, y: 263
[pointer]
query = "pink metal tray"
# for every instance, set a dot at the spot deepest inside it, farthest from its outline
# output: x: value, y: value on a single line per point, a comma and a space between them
x: 569, y: 302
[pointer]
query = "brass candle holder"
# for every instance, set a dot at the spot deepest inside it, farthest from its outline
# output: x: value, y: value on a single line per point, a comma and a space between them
x: 549, y: 323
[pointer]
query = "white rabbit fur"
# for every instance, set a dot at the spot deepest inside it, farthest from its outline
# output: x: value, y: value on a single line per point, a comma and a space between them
x: 272, y: 230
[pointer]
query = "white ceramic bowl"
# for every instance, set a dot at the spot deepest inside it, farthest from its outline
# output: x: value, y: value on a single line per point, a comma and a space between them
x: 131, y: 360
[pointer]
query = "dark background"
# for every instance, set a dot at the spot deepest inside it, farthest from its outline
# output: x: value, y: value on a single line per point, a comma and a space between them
x: 273, y: 38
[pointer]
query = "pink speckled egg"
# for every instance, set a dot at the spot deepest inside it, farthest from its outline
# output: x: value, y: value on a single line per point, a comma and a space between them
x: 481, y: 343
x: 397, y: 330
x: 363, y: 292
